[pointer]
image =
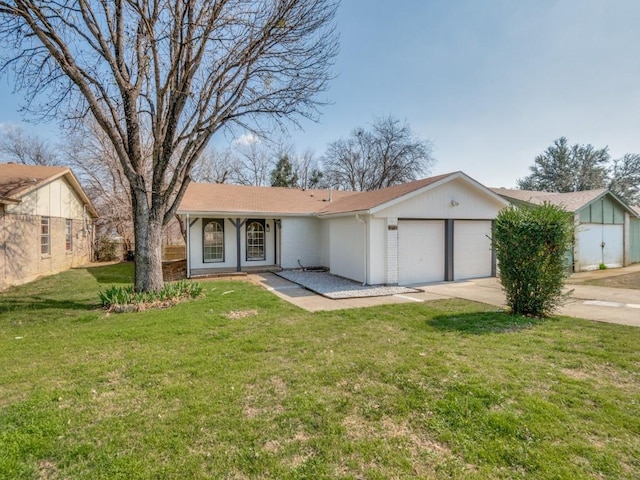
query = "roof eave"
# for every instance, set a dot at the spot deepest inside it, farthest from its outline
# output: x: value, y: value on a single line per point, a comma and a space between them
x: 9, y: 201
x: 75, y: 184
x: 344, y: 214
x: 449, y: 178
x: 203, y: 213
x: 72, y: 180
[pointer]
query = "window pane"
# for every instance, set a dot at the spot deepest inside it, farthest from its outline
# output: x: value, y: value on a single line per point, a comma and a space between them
x: 44, y: 235
x: 213, y: 241
x: 69, y: 235
x: 255, y: 240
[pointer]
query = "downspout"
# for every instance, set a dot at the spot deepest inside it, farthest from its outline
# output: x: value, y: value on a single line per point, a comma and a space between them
x: 363, y: 222
x: 87, y: 228
x: 188, y: 247
x: 84, y: 232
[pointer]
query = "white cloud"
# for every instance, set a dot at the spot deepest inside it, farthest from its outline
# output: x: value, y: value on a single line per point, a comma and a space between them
x: 246, y: 139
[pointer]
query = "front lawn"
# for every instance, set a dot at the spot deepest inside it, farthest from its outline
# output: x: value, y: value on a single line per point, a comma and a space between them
x: 240, y: 384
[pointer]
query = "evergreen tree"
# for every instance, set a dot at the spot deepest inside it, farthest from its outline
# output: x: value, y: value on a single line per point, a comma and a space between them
x: 284, y: 175
x: 564, y: 168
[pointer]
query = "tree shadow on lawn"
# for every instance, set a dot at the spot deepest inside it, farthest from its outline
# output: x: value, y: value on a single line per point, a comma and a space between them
x: 34, y: 302
x: 112, y: 273
x: 480, y: 323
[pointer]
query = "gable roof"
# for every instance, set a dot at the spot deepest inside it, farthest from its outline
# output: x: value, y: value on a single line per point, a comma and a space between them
x: 207, y: 198
x: 213, y: 198
x: 364, y: 201
x: 375, y: 200
x: 571, y: 201
x: 17, y: 180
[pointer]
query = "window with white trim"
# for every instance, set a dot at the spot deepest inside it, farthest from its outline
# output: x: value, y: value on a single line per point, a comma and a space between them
x: 213, y: 240
x: 255, y: 240
x: 68, y: 235
x: 45, y: 236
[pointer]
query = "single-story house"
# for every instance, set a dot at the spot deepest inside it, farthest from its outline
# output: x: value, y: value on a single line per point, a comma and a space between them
x: 634, y: 234
x: 46, y: 222
x: 435, y: 229
x: 603, y: 224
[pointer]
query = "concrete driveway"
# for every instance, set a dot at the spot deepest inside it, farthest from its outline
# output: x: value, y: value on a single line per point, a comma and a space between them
x: 611, y: 305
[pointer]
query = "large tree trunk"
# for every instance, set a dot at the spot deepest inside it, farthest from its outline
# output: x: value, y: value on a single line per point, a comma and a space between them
x: 148, y: 248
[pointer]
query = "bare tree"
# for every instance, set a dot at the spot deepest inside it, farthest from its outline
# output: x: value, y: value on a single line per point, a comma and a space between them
x: 28, y: 150
x: 215, y: 166
x: 307, y: 170
x: 252, y: 164
x: 389, y: 154
x: 179, y: 70
x: 91, y: 155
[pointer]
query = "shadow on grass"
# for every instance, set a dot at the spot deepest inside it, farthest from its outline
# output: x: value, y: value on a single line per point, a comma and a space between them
x: 30, y: 303
x: 480, y: 323
x: 113, y: 273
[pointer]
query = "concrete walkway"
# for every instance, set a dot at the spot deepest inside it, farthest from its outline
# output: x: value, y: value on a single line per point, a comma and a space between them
x: 612, y: 305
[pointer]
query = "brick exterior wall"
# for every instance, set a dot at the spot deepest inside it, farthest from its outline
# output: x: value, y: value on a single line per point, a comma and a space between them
x: 20, y: 257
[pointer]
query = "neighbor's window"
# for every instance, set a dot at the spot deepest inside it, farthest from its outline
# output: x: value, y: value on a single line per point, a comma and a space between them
x: 68, y: 235
x: 255, y: 240
x: 213, y: 240
x: 44, y: 236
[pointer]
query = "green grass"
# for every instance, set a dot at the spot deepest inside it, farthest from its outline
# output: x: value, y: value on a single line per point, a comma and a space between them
x: 447, y: 389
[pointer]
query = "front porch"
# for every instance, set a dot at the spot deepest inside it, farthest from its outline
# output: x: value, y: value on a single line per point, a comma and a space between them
x: 177, y: 270
x: 225, y: 271
x: 219, y: 246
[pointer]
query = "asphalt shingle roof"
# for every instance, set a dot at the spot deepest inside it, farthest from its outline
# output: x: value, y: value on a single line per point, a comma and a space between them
x: 571, y: 201
x: 17, y: 180
x: 367, y: 200
x: 225, y: 198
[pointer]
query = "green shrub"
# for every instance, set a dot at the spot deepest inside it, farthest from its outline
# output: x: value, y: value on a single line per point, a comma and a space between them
x: 531, y: 244
x: 125, y: 299
x: 108, y: 249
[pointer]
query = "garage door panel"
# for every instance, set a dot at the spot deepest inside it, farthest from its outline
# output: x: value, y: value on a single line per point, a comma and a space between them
x: 590, y: 251
x: 472, y: 257
x: 420, y: 251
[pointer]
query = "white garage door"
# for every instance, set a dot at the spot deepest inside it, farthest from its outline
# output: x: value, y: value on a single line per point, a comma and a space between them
x: 420, y: 251
x: 471, y: 249
x: 590, y: 252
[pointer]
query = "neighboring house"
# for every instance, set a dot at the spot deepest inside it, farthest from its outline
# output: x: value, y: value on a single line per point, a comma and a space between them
x: 429, y: 230
x: 604, y: 234
x: 634, y: 235
x: 46, y: 222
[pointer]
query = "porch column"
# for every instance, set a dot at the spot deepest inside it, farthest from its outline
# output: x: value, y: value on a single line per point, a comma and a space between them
x: 188, y: 246
x: 238, y: 223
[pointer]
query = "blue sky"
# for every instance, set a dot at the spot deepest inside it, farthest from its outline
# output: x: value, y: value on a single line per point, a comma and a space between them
x: 490, y: 82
